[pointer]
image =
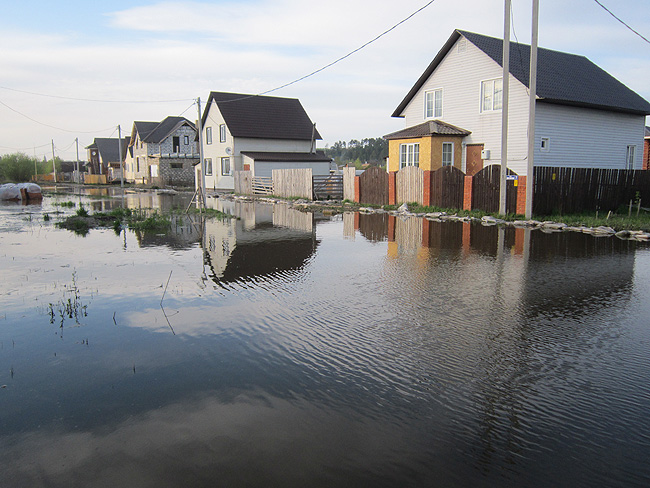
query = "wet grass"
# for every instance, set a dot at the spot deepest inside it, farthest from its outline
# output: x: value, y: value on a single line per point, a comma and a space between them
x: 140, y: 220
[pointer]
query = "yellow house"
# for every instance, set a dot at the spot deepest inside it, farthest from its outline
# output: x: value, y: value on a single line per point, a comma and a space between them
x: 430, y: 146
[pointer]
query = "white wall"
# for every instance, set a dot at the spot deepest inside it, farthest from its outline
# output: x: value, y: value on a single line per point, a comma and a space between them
x: 261, y: 168
x: 584, y: 138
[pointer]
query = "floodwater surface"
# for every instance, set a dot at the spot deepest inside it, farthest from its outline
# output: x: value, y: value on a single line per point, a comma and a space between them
x: 282, y: 348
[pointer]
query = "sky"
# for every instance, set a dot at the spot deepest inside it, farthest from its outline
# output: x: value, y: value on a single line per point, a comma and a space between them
x: 78, y: 69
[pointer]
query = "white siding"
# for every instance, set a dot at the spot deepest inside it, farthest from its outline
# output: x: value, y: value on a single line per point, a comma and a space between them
x: 262, y: 168
x: 586, y: 138
x: 460, y: 75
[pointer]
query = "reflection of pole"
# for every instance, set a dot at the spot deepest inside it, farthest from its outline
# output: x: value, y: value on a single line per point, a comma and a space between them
x: 77, y: 163
x: 504, y: 108
x: 53, y: 161
x: 530, y: 171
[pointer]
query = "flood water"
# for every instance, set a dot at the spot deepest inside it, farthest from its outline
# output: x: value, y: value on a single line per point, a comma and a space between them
x: 294, y: 349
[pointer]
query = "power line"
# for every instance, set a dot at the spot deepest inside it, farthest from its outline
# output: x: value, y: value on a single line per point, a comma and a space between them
x: 52, y: 126
x: 93, y: 99
x: 617, y: 18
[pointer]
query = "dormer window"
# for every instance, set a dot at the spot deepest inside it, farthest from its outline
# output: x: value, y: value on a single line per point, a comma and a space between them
x: 433, y: 104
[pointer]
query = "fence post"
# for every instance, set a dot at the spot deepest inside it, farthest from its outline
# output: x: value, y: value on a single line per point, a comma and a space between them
x: 521, y: 195
x: 426, y: 188
x: 392, y: 188
x: 467, y: 197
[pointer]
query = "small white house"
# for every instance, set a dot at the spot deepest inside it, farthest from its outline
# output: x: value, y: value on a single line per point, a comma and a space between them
x: 256, y: 133
x: 584, y: 116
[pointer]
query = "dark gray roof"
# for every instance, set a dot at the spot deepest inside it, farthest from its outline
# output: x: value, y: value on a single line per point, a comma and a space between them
x: 429, y: 128
x: 163, y: 129
x: 109, y: 148
x: 562, y: 78
x: 143, y: 129
x: 286, y: 156
x: 262, y: 117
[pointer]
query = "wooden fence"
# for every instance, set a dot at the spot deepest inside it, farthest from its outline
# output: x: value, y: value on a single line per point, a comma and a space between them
x: 349, y: 172
x: 409, y: 185
x: 293, y: 183
x: 447, y: 188
x: 486, y: 190
x: 262, y: 185
x: 373, y: 186
x: 328, y: 187
x: 577, y: 190
x: 243, y: 182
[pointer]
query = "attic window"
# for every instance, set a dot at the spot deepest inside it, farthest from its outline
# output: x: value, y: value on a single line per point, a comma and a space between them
x: 462, y: 45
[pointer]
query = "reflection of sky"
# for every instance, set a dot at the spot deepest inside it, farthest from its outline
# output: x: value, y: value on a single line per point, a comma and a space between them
x: 361, y: 367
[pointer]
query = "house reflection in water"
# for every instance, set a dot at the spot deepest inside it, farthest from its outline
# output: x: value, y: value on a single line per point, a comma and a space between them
x: 265, y: 239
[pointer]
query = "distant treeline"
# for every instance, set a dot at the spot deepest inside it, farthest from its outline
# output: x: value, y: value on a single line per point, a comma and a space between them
x: 19, y: 168
x: 373, y: 151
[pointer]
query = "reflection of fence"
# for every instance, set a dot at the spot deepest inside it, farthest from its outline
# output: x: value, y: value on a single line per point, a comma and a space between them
x: 262, y: 185
x: 328, y: 187
x: 575, y: 190
x: 293, y: 219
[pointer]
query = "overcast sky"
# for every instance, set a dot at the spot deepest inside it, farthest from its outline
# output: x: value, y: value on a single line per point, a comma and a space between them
x: 169, y: 53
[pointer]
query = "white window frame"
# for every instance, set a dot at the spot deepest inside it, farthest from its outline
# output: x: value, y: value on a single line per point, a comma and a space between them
x: 208, y: 166
x: 409, y: 154
x: 545, y: 144
x: 433, y: 101
x: 490, y: 87
x: 229, y: 172
x: 222, y: 133
x: 630, y: 156
x: 451, y: 160
x: 208, y: 135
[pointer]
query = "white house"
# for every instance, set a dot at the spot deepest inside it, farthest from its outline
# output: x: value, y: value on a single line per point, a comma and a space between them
x: 584, y: 116
x: 256, y: 133
x: 162, y: 152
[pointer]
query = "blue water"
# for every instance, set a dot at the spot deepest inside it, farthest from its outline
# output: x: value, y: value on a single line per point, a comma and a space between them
x: 290, y: 349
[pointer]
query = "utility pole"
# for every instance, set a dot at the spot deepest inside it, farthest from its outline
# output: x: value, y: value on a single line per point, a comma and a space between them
x: 200, y: 129
x: 53, y: 161
x: 119, y: 145
x: 532, y: 95
x: 77, y: 163
x: 504, y: 108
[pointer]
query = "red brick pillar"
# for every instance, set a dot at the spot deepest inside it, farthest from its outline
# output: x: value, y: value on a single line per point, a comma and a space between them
x: 467, y: 197
x: 521, y: 195
x: 520, y: 235
x: 356, y: 220
x: 467, y: 235
x: 357, y: 189
x: 392, y: 188
x: 426, y: 237
x: 391, y: 228
x: 426, y: 186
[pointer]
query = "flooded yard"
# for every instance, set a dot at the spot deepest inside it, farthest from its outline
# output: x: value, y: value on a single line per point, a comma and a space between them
x: 282, y: 348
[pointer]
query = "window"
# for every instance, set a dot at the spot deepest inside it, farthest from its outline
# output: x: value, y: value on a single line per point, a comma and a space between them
x: 409, y: 155
x: 137, y: 164
x: 225, y: 166
x: 176, y: 144
x: 491, y: 95
x: 208, y: 135
x: 222, y: 133
x: 447, y: 153
x: 208, y: 166
x: 545, y: 145
x: 629, y: 157
x: 186, y: 140
x: 176, y: 165
x: 433, y: 103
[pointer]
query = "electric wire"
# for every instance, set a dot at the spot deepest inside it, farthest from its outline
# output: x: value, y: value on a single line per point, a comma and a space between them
x: 94, y: 99
x: 621, y: 21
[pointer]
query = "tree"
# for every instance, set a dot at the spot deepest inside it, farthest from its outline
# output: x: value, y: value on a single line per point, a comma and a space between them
x: 369, y: 150
x: 17, y: 168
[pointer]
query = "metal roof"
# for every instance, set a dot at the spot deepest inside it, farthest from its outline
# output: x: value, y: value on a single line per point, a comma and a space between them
x: 428, y: 128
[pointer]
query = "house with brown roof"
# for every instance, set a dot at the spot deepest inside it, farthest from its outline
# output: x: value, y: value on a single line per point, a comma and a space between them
x: 162, y: 153
x: 259, y: 134
x: 584, y: 116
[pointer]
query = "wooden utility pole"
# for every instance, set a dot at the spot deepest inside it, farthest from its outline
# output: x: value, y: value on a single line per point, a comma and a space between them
x: 53, y: 161
x: 77, y: 175
x: 532, y: 95
x: 119, y: 145
x: 504, y: 108
x: 200, y: 129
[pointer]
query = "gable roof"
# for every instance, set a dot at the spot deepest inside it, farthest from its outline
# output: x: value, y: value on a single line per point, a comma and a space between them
x: 165, y: 128
x: 109, y: 148
x: 262, y: 117
x: 143, y: 129
x: 562, y: 78
x: 428, y: 128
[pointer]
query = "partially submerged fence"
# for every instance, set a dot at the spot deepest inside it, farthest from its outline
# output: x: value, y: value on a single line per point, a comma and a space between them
x: 293, y: 183
x: 328, y: 187
x: 373, y: 186
x: 486, y: 190
x: 409, y: 185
